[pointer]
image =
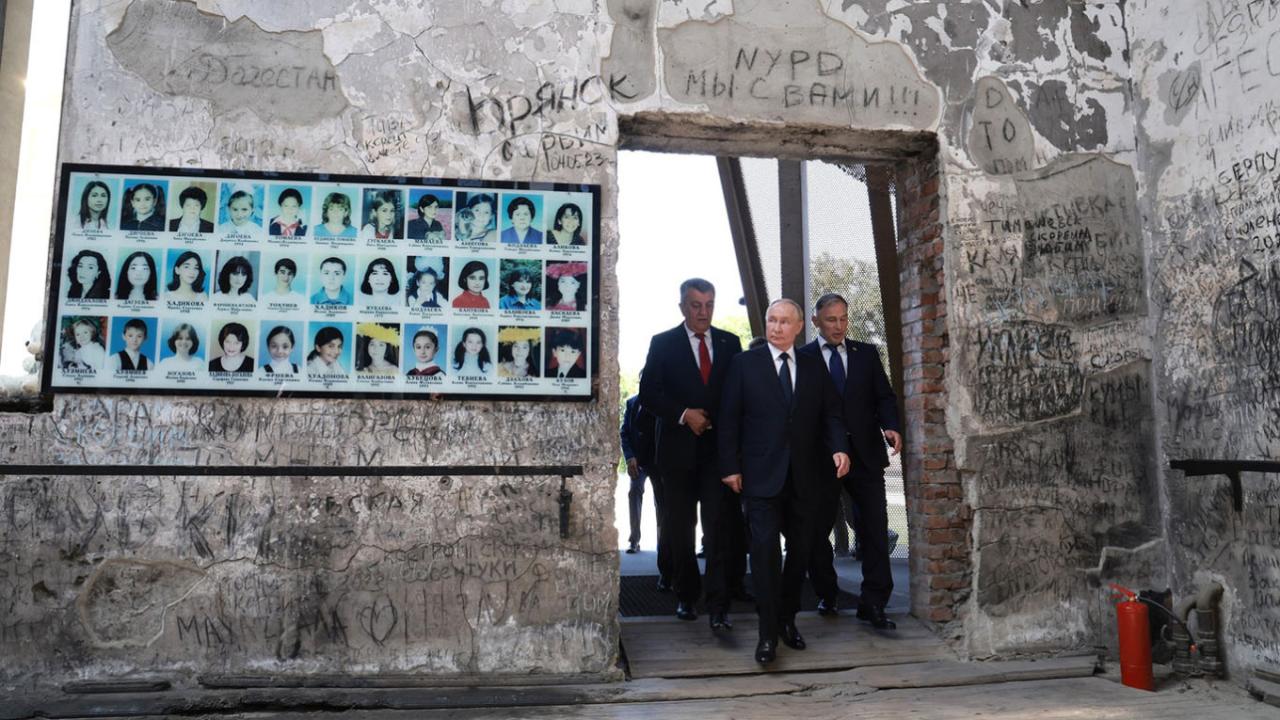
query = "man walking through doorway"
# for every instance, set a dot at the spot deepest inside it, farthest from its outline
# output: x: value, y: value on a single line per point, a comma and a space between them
x: 781, y: 437
x: 871, y: 417
x: 683, y: 377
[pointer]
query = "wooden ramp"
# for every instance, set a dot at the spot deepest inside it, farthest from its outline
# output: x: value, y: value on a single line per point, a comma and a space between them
x: 670, y: 648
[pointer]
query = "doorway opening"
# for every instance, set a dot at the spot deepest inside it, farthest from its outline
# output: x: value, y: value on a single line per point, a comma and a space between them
x: 763, y: 228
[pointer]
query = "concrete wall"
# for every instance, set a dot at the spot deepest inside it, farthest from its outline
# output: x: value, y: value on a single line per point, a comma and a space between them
x: 15, y: 40
x: 1029, y: 323
x: 1207, y: 81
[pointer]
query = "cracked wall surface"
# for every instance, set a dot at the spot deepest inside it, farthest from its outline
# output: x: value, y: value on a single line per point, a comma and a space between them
x: 1207, y: 84
x: 1047, y: 339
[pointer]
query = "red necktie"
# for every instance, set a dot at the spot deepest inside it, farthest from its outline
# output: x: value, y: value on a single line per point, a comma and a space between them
x: 704, y: 357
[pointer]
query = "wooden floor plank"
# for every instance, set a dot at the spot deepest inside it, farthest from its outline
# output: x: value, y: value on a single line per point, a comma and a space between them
x: 1067, y: 699
x: 671, y: 648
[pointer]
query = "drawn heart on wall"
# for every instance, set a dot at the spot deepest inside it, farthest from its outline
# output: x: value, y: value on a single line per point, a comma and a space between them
x: 379, y: 619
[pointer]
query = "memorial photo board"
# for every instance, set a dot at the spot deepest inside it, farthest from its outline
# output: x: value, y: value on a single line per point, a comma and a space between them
x: 191, y: 282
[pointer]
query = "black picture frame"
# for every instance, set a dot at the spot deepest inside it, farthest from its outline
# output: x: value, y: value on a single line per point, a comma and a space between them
x: 497, y: 390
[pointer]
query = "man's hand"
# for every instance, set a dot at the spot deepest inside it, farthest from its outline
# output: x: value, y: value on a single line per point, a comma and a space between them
x: 842, y: 464
x: 633, y: 468
x: 894, y: 439
x: 734, y: 482
x: 697, y: 420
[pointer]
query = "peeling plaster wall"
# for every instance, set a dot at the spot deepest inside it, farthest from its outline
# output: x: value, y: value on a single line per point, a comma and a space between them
x: 1207, y: 84
x: 168, y: 576
x: 1048, y: 359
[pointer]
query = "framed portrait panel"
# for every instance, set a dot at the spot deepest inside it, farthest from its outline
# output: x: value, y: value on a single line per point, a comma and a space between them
x: 216, y: 282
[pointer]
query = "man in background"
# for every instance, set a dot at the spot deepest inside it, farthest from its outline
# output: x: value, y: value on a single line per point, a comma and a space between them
x: 637, y: 435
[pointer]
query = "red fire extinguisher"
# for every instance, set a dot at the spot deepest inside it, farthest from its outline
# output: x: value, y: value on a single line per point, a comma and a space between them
x: 1135, y: 640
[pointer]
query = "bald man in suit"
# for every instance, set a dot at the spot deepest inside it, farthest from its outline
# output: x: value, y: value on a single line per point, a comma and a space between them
x: 780, y: 438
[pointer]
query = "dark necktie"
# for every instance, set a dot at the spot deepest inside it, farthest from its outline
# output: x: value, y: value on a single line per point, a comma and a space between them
x: 784, y: 376
x: 704, y: 358
x: 837, y: 367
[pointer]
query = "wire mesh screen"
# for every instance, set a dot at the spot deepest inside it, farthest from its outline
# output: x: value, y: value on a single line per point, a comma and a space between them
x: 842, y: 259
x: 760, y: 178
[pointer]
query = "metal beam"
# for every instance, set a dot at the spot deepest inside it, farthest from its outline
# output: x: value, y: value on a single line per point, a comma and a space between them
x: 745, y: 247
x: 886, y: 242
x: 793, y: 236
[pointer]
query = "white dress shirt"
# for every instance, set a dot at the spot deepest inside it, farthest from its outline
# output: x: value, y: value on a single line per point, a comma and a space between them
x: 826, y: 355
x: 694, y: 343
x: 791, y: 363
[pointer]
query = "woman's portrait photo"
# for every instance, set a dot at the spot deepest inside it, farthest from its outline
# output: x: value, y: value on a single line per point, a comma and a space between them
x: 519, y: 352
x: 568, y: 226
x: 430, y: 213
x: 288, y: 210
x: 283, y: 286
x: 427, y: 281
x: 329, y: 357
x: 143, y: 208
x: 566, y: 357
x: 336, y: 216
x: 133, y: 345
x: 473, y: 291
x: 383, y: 215
x: 93, y: 212
x: 566, y: 285
x: 136, y: 278
x: 241, y: 210
x: 80, y: 347
x: 230, y: 355
x: 521, y: 285
x: 192, y: 207
x: 380, y: 287
x: 180, y: 349
x: 187, y: 275
x: 425, y: 344
x: 522, y: 224
x: 378, y: 349
x: 471, y: 357
x: 280, y: 351
x: 237, y: 277
x: 476, y: 220
x: 88, y: 277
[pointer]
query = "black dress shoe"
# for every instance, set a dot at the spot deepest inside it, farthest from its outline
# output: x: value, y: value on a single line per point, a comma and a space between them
x: 766, y: 651
x: 741, y: 595
x: 633, y: 548
x: 685, y: 611
x: 827, y: 608
x: 877, y: 618
x: 720, y: 620
x: 791, y: 636
x: 664, y: 585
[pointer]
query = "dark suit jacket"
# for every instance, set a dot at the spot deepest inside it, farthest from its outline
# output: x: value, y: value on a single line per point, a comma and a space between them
x: 637, y: 433
x: 205, y: 225
x: 671, y: 383
x: 869, y: 405
x: 763, y: 439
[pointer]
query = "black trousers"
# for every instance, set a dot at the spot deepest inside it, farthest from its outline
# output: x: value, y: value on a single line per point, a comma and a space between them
x: 685, y: 491
x: 635, y: 502
x: 871, y: 523
x: 777, y: 583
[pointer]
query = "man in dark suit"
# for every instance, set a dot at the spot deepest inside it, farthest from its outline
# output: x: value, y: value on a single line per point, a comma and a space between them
x: 870, y: 411
x: 780, y: 437
x: 683, y: 376
x: 637, y: 448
